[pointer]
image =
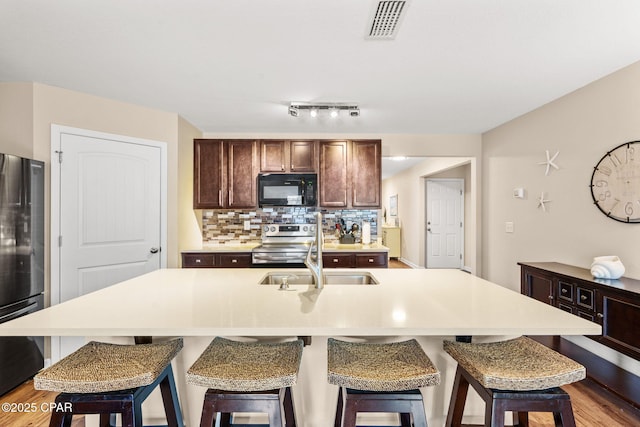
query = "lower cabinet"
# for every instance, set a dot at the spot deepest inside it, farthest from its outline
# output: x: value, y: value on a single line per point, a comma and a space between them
x: 614, y: 304
x: 216, y: 260
x: 243, y: 259
x: 355, y: 259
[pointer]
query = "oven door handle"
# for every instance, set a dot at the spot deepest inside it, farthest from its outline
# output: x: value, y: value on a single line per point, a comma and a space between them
x: 18, y: 313
x: 274, y: 258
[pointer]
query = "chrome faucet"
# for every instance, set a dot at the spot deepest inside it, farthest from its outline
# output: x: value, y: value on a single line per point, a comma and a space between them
x: 316, y: 268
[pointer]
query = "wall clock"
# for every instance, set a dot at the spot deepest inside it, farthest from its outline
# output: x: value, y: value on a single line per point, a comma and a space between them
x: 615, y: 183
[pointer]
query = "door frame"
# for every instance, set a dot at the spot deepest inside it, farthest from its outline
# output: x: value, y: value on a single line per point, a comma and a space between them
x: 462, y: 219
x: 56, y: 134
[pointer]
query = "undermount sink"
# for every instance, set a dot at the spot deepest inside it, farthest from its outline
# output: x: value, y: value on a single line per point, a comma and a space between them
x: 330, y: 278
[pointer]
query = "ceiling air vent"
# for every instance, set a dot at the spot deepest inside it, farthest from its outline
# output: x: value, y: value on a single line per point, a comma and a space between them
x: 386, y: 19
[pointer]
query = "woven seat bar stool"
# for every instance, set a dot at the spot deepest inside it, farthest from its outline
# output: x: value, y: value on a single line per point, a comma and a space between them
x: 106, y: 379
x: 518, y: 375
x: 380, y: 378
x: 247, y: 377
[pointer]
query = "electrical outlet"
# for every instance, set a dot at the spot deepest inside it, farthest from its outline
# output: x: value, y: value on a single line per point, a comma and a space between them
x: 247, y: 225
x: 508, y: 227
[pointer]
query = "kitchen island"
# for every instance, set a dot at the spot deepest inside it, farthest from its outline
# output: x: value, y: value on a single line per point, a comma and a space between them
x: 199, y: 304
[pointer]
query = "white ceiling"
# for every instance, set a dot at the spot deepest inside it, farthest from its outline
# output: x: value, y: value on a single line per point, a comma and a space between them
x: 455, y: 66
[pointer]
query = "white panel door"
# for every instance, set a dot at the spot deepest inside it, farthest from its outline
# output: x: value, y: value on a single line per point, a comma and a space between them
x: 444, y: 228
x: 110, y: 220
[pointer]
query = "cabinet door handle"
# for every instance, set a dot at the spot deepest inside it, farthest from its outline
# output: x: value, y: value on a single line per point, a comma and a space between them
x: 583, y: 297
x: 564, y: 291
x: 370, y: 259
x: 220, y: 197
x: 551, y: 297
x: 335, y: 260
x: 233, y: 261
x: 230, y: 197
x: 600, y: 315
x: 198, y: 261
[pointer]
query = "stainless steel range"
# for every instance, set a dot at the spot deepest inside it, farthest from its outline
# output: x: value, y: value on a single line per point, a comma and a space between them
x: 285, y: 244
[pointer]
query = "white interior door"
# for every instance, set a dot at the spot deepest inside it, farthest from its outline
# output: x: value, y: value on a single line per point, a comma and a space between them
x: 445, y: 225
x: 110, y: 194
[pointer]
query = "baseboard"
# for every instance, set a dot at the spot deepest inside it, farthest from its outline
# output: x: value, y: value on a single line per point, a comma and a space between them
x: 620, y: 382
x: 409, y: 263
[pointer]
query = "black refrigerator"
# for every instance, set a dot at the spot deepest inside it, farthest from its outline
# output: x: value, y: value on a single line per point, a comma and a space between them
x: 21, y: 264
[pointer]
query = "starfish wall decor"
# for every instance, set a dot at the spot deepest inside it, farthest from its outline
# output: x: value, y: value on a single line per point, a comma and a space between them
x: 542, y: 201
x: 549, y: 163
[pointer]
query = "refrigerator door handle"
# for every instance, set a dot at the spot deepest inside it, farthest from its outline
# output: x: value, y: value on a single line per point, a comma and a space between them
x: 18, y: 313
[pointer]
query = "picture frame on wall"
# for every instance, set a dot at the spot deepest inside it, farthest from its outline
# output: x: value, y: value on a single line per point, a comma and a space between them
x: 393, y: 205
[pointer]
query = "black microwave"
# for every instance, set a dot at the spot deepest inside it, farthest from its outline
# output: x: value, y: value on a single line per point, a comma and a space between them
x: 280, y: 189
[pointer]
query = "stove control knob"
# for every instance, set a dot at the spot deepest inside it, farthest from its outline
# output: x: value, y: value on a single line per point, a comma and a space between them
x: 305, y: 228
x: 312, y: 228
x: 266, y: 228
x: 273, y: 229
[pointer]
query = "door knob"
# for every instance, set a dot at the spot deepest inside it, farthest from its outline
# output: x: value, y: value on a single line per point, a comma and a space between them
x: 154, y: 250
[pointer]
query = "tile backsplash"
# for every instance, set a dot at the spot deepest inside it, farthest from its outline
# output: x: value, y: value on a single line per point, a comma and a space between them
x: 226, y: 226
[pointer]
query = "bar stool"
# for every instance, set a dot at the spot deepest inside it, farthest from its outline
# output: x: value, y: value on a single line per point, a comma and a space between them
x: 380, y: 378
x: 519, y: 375
x: 247, y: 377
x: 105, y: 379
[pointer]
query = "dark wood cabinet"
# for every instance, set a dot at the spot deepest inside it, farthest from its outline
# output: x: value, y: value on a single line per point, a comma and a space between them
x: 337, y: 260
x: 198, y: 260
x: 355, y: 259
x: 619, y: 315
x: 366, y: 169
x: 225, y: 171
x: 371, y: 259
x: 242, y: 192
x: 538, y: 285
x: 233, y: 260
x: 350, y: 174
x: 208, y: 174
x: 288, y: 156
x: 303, y: 157
x: 333, y: 174
x: 216, y: 260
x: 614, y: 304
x: 224, y: 174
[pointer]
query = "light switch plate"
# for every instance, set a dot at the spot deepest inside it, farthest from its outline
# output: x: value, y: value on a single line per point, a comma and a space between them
x: 508, y: 227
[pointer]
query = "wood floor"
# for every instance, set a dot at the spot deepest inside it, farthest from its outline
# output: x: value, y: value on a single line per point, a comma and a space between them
x: 592, y: 405
x: 26, y: 395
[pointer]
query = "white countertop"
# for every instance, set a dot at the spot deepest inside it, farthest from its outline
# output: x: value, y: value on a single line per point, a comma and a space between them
x: 209, y: 302
x: 330, y: 247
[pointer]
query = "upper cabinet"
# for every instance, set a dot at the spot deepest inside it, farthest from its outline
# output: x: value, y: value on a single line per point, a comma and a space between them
x: 288, y: 156
x: 350, y: 174
x: 225, y: 171
x: 366, y: 170
x: 333, y: 174
x: 224, y: 174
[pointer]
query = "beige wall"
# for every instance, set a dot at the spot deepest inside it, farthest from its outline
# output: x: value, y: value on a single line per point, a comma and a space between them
x: 582, y: 126
x: 16, y: 119
x: 189, y: 220
x: 27, y: 111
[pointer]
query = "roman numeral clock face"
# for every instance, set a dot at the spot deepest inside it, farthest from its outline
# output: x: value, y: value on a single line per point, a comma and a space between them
x: 615, y: 183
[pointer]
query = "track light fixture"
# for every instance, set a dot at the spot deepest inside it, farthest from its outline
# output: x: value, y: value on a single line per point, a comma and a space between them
x: 332, y: 108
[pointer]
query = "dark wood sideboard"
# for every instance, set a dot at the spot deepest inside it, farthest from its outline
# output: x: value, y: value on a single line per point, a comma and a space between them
x: 614, y: 304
